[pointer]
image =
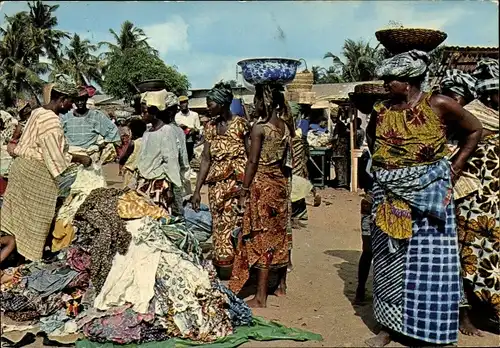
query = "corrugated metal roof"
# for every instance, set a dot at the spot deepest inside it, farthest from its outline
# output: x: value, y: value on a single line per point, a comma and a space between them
x: 463, y: 58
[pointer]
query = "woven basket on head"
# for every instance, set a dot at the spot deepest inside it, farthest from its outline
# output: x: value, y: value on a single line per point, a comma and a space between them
x: 370, y: 88
x: 405, y: 39
x: 302, y: 82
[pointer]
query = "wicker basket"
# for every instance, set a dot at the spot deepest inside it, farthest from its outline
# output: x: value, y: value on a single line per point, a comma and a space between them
x: 370, y: 88
x: 406, y: 39
x: 302, y: 82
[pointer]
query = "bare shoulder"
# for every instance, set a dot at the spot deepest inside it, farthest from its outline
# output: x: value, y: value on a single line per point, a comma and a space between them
x: 441, y: 101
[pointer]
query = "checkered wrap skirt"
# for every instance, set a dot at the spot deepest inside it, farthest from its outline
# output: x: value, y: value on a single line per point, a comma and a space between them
x: 417, y: 283
x: 29, y: 206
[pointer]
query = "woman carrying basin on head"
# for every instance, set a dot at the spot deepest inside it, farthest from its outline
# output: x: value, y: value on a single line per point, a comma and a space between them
x: 265, y: 196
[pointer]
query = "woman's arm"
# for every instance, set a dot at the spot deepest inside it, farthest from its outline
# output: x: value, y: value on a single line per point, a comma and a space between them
x: 256, y: 137
x: 471, y: 128
x: 204, y: 167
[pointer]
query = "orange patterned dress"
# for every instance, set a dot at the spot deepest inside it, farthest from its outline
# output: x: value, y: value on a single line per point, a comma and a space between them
x: 228, y: 159
x: 264, y: 241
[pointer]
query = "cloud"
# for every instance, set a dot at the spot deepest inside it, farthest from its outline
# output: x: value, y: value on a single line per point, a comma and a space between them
x: 169, y: 36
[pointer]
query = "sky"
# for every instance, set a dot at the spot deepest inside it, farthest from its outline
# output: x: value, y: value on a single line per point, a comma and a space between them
x: 205, y: 39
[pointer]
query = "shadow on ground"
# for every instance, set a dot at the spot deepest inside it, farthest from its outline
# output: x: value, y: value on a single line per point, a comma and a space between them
x: 348, y: 271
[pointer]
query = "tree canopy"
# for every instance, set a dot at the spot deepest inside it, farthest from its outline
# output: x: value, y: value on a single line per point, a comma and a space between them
x: 78, y: 63
x: 133, y: 65
x: 27, y: 37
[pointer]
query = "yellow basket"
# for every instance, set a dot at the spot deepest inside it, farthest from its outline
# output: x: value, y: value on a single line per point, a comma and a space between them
x: 302, y: 82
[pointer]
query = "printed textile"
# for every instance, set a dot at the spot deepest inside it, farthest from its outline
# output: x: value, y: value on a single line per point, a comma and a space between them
x: 416, y: 285
x: 100, y: 227
x: 479, y: 227
x: 29, y: 206
x: 410, y: 137
x: 228, y: 159
x: 423, y: 188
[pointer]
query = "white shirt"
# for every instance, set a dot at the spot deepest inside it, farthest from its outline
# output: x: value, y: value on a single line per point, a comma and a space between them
x: 159, y: 156
x: 190, y: 120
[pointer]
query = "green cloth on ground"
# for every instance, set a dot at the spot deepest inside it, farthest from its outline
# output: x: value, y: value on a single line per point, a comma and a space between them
x: 261, y: 330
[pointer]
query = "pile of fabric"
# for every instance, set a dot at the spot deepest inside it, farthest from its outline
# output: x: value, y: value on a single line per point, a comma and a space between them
x: 132, y: 274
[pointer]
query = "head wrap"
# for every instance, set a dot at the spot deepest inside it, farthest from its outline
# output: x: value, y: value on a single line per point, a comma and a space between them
x: 459, y: 82
x: 88, y: 91
x: 161, y: 99
x: 183, y: 98
x: 486, y: 73
x: 221, y: 94
x: 405, y: 65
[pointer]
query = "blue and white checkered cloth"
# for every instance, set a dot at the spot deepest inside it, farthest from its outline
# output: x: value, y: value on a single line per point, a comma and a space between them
x: 417, y: 286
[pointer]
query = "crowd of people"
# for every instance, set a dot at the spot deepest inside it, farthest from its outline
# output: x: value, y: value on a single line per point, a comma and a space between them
x: 430, y: 219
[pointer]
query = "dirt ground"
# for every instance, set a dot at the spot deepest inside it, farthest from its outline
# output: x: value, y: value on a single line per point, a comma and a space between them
x: 323, y: 282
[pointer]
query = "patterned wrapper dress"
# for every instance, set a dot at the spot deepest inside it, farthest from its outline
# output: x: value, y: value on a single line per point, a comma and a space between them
x: 264, y: 242
x: 228, y: 160
x: 478, y: 216
x: 416, y: 287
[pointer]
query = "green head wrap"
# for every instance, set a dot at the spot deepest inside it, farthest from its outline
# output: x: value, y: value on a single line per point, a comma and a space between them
x: 221, y: 94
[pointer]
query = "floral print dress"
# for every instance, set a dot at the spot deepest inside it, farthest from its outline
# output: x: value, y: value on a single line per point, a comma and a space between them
x: 228, y: 159
x: 410, y: 137
x: 479, y: 226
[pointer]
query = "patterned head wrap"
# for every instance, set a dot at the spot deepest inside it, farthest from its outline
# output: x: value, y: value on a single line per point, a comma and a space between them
x: 405, y: 65
x: 88, y: 91
x: 161, y: 99
x: 221, y: 94
x: 486, y: 73
x: 460, y: 83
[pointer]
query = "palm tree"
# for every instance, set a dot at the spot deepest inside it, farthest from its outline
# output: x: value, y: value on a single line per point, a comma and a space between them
x: 19, y: 60
x: 130, y: 37
x: 322, y: 75
x: 79, y: 63
x: 361, y: 60
x: 43, y: 21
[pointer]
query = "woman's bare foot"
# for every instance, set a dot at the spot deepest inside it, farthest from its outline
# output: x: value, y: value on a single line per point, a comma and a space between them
x: 466, y: 327
x: 280, y: 292
x: 382, y: 339
x: 256, y: 303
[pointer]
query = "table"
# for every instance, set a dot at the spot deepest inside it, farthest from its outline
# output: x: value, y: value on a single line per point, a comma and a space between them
x: 319, y: 165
